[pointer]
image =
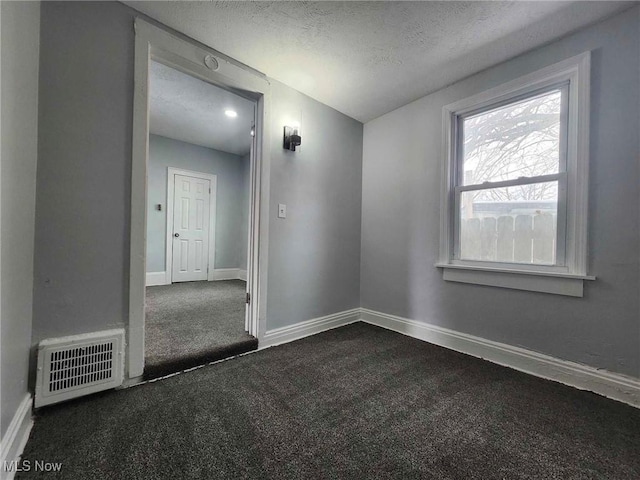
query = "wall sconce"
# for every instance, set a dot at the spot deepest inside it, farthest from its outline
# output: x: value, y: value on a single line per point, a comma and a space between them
x: 291, y: 139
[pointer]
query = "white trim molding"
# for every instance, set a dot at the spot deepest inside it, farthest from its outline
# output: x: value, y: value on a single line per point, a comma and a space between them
x: 608, y: 384
x: 546, y: 282
x: 16, y: 436
x: 160, y: 44
x: 162, y: 278
x: 157, y: 278
x: 228, y: 274
x: 572, y: 76
x: 309, y: 327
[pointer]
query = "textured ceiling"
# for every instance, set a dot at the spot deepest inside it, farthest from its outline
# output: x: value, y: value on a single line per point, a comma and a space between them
x: 187, y: 109
x: 368, y: 58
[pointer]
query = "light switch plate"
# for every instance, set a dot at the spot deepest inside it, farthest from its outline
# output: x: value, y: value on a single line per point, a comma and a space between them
x: 282, y: 210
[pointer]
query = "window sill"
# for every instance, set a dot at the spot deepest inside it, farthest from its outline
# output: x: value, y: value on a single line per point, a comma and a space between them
x: 534, y: 281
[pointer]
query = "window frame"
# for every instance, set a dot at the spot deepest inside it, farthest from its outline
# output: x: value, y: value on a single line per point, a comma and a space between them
x: 566, y: 276
x: 560, y: 177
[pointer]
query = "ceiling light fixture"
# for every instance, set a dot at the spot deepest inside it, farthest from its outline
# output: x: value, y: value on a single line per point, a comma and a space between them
x: 231, y: 113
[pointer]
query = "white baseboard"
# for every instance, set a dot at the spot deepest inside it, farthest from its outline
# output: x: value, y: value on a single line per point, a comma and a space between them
x: 228, y: 274
x: 611, y: 385
x: 156, y: 278
x: 160, y: 278
x: 15, y: 438
x: 308, y: 327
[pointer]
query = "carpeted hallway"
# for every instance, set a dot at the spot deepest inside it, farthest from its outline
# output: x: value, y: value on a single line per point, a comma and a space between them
x: 354, y: 402
x: 193, y: 323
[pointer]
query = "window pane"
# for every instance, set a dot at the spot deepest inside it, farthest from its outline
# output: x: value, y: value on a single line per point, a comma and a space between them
x: 518, y: 140
x: 511, y: 224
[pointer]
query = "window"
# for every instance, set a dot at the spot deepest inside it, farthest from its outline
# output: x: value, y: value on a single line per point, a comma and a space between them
x: 514, y: 189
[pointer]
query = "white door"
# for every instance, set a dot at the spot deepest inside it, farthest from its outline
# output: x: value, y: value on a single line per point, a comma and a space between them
x: 191, y: 218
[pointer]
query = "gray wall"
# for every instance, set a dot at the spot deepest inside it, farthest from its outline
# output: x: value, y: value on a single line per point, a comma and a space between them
x: 20, y: 34
x: 230, y: 205
x: 314, y: 254
x: 81, y: 281
x: 83, y: 202
x: 400, y: 227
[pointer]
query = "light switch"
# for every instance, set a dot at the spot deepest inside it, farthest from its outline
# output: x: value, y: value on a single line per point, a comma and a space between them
x: 282, y: 210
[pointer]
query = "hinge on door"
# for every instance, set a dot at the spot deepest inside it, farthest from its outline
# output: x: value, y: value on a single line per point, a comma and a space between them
x: 248, y: 297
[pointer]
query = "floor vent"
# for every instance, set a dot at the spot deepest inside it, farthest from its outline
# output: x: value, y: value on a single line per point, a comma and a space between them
x: 70, y: 367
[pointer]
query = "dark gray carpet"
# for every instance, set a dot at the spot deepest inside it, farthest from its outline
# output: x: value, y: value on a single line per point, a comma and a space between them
x: 193, y: 323
x: 355, y: 402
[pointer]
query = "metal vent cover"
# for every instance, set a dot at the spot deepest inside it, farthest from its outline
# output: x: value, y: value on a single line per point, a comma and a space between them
x: 70, y: 367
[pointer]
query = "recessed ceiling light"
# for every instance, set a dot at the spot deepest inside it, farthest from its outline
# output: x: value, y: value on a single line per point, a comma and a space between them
x: 231, y: 113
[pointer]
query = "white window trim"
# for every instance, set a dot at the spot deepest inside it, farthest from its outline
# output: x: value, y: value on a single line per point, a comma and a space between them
x: 565, y: 280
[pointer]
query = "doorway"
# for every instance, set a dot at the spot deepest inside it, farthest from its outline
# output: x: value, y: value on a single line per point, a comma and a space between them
x: 206, y: 265
x: 200, y: 143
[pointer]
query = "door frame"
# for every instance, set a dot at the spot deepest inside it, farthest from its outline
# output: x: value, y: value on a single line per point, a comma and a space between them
x: 211, y: 254
x: 155, y: 42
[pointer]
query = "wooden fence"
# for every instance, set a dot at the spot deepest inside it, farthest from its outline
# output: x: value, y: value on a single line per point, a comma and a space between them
x: 510, y: 238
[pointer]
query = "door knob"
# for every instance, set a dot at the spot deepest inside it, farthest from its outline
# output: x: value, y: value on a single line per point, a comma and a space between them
x: 176, y: 235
